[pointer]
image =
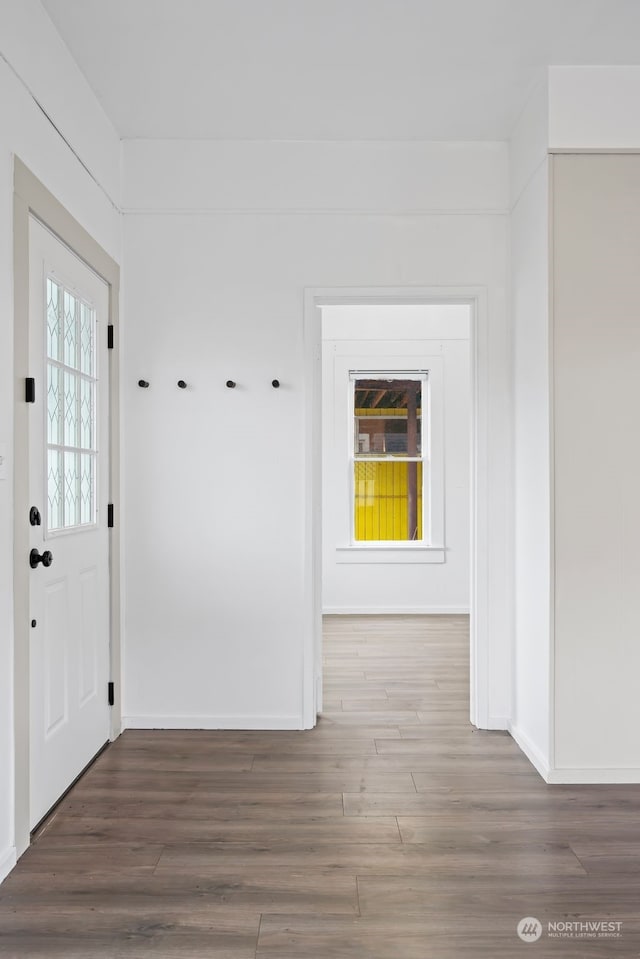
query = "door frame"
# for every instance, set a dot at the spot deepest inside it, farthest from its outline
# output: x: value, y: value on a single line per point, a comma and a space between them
x: 476, y: 299
x: 31, y: 198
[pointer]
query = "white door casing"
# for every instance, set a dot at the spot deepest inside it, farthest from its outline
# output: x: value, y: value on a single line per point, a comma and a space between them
x: 68, y: 484
x: 481, y: 714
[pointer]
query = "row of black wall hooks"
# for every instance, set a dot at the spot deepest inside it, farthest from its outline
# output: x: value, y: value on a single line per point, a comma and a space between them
x: 230, y: 384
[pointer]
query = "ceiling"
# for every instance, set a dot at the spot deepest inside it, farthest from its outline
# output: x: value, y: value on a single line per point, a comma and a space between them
x: 333, y: 69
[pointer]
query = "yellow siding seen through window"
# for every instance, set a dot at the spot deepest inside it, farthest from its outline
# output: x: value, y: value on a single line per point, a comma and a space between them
x: 381, y: 492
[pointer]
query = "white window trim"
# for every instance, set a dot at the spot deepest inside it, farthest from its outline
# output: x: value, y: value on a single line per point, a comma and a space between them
x: 386, y: 551
x: 424, y: 458
x: 433, y: 548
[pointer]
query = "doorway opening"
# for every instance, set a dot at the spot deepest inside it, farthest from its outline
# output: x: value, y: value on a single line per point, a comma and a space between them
x: 355, y: 340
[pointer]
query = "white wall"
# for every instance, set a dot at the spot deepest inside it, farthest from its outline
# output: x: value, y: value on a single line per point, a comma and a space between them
x: 594, y: 108
x: 323, y: 177
x: 35, y: 63
x: 532, y: 522
x: 215, y: 478
x: 413, y: 581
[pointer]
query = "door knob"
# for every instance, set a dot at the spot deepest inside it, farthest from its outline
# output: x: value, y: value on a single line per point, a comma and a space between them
x: 46, y: 558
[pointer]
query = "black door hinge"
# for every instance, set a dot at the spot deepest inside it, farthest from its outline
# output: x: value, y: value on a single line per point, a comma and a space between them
x: 110, y: 515
x: 29, y: 390
x: 110, y: 336
x: 111, y: 693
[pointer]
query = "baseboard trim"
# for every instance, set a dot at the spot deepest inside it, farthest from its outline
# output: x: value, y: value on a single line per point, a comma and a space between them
x: 8, y: 860
x: 559, y: 776
x: 531, y: 751
x: 212, y: 722
x: 395, y: 611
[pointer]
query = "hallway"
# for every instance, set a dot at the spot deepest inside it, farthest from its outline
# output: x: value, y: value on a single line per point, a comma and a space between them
x: 394, y: 830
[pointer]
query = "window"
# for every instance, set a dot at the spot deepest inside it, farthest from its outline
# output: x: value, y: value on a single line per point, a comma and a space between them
x: 390, y: 467
x: 71, y: 400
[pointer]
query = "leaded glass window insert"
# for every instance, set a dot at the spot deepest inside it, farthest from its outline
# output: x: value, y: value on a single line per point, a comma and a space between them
x: 71, y: 409
x: 388, y: 453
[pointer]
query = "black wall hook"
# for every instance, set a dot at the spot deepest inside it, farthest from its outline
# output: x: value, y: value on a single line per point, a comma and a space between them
x: 275, y: 384
x: 143, y: 384
x: 231, y: 384
x: 182, y: 384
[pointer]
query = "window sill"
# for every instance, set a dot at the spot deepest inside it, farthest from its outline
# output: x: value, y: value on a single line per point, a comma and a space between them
x: 392, y: 554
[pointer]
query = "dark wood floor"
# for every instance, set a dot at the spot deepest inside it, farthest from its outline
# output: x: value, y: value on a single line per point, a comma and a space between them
x: 394, y: 830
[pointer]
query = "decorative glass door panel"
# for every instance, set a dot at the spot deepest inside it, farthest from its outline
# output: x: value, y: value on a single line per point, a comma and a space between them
x: 71, y: 410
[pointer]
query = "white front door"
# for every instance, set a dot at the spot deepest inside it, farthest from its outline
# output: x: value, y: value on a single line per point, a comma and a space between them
x: 68, y: 485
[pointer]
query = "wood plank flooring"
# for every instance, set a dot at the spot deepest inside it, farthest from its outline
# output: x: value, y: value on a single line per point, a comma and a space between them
x: 394, y: 830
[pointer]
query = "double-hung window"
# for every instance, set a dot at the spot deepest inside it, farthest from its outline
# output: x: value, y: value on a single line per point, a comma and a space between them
x: 390, y: 461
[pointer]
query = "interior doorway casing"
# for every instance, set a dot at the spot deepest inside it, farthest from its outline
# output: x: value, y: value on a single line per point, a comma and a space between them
x: 476, y: 299
x: 31, y: 198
